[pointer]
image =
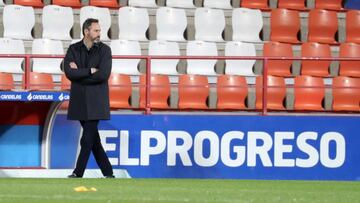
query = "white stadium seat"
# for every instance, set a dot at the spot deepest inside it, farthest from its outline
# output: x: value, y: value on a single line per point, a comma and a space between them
x: 125, y: 66
x: 57, y: 22
x: 164, y: 48
x: 247, y: 25
x: 15, y: 25
x: 220, y: 4
x: 180, y: 3
x: 133, y: 23
x: 239, y: 67
x: 171, y: 24
x: 2, y: 3
x: 143, y: 3
x: 102, y: 14
x: 209, y: 24
x: 198, y: 66
x: 12, y: 65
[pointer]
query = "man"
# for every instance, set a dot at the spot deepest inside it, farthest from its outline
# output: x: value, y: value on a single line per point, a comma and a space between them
x: 87, y: 64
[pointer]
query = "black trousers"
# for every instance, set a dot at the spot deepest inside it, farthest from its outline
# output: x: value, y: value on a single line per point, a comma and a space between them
x: 90, y: 142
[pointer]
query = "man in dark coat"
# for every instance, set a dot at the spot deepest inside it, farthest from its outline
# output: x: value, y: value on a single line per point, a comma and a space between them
x: 87, y: 64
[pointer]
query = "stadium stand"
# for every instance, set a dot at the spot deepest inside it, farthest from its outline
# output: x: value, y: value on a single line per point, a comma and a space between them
x: 309, y: 93
x: 292, y: 4
x: 164, y: 48
x: 113, y: 4
x: 311, y: 67
x: 247, y: 25
x: 353, y: 26
x: 102, y: 14
x: 14, y: 24
x: 278, y: 67
x: 135, y: 25
x: 219, y: 4
x: 350, y: 68
x: 33, y: 3
x: 232, y: 92
x: 190, y: 85
x: 166, y: 29
x: 68, y: 3
x: 276, y: 93
x: 323, y: 25
x: 209, y: 24
x: 159, y: 91
x: 125, y: 66
x: 120, y: 91
x: 346, y: 93
x: 57, y: 22
x: 201, y: 48
x: 285, y: 25
x: 239, y: 67
x: 180, y: 3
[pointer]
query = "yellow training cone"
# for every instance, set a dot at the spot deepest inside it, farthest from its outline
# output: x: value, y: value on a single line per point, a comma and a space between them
x: 93, y: 189
x: 81, y: 189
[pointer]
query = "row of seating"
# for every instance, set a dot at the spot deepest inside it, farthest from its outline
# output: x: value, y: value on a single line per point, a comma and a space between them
x: 247, y: 24
x: 221, y: 4
x: 232, y: 91
x: 194, y: 48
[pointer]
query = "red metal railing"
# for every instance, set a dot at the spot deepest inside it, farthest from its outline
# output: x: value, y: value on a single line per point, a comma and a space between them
x: 148, y: 59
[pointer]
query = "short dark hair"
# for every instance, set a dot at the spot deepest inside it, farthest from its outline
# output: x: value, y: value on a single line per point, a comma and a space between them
x: 87, y: 24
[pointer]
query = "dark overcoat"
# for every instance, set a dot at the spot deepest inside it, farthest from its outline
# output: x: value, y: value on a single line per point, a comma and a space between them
x: 89, y: 93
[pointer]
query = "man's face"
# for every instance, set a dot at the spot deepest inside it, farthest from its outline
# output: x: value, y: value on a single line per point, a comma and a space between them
x: 93, y: 33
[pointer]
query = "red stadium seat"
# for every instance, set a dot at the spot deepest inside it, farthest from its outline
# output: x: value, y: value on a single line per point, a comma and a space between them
x: 315, y: 68
x: 159, y: 93
x: 120, y: 91
x: 285, y: 25
x: 105, y: 3
x: 353, y: 26
x: 65, y: 83
x: 68, y: 3
x: 193, y: 91
x: 232, y: 92
x: 278, y: 67
x: 40, y: 81
x: 323, y: 26
x: 276, y: 93
x: 33, y: 3
x: 6, y: 81
x: 309, y: 93
x: 350, y: 68
x: 329, y: 4
x: 255, y: 4
x: 292, y: 4
x: 346, y: 94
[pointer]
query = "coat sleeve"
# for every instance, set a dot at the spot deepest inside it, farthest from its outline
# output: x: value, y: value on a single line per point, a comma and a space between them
x: 74, y: 75
x: 104, y: 69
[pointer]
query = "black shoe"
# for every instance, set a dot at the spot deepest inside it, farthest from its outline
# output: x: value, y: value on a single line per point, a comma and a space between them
x: 110, y: 176
x: 73, y: 175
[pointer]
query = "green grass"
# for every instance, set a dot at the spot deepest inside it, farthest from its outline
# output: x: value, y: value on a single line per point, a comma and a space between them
x: 176, y: 190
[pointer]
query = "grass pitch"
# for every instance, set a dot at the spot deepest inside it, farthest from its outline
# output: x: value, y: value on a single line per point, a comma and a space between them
x: 176, y: 190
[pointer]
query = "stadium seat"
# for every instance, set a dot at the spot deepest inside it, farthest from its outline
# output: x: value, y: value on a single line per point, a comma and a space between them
x: 255, y: 4
x: 323, y: 26
x: 105, y: 3
x: 102, y: 14
x: 48, y: 65
x: 2, y: 3
x: 125, y: 66
x: 209, y: 24
x: 353, y: 26
x: 352, y: 4
x: 329, y: 4
x: 14, y: 24
x: 247, y: 25
x: 346, y: 94
x: 292, y: 4
x: 164, y: 48
x: 350, y: 68
x: 133, y: 23
x: 201, y: 48
x: 276, y: 93
x: 65, y: 83
x: 219, y: 4
x: 285, y: 26
x: 143, y: 3
x: 170, y: 24
x: 32, y: 3
x: 12, y: 65
x: 40, y: 81
x: 239, y: 67
x: 180, y: 3
x: 68, y: 3
x: 278, y: 67
x: 313, y: 67
x: 159, y: 91
x: 190, y: 85
x: 309, y: 93
x: 6, y: 81
x: 232, y: 92
x: 57, y: 22
x: 120, y: 91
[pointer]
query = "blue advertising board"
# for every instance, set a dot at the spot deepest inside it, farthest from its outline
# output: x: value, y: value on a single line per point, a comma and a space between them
x: 223, y: 146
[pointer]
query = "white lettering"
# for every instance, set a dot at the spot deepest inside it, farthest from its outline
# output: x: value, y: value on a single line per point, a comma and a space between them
x: 182, y: 150
x: 238, y: 150
x: 213, y: 150
x: 146, y: 149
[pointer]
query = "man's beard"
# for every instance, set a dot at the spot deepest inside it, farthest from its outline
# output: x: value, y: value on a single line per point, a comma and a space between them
x: 97, y: 40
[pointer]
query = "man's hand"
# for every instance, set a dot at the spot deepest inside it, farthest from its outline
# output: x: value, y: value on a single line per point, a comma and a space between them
x: 93, y: 70
x: 73, y: 65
